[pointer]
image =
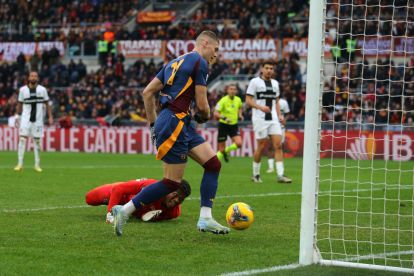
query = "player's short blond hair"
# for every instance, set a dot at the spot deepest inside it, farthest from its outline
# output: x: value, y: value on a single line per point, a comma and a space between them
x: 209, y: 34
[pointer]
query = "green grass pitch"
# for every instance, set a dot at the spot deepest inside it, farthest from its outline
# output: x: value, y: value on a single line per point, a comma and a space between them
x: 46, y: 228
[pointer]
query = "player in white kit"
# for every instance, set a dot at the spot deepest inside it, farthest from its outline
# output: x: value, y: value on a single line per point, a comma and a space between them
x: 284, y: 108
x: 31, y: 103
x: 263, y: 96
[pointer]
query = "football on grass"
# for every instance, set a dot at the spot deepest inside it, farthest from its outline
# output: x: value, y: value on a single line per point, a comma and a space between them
x: 239, y: 216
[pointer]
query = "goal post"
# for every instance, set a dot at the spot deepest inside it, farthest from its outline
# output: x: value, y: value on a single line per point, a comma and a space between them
x: 311, y: 139
x: 357, y: 206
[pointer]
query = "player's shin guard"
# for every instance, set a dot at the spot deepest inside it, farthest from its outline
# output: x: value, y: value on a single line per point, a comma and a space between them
x: 36, y: 149
x: 209, y: 182
x: 154, y: 192
x: 21, y: 149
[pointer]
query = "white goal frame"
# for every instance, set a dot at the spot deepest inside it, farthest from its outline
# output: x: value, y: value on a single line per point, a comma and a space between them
x: 309, y: 253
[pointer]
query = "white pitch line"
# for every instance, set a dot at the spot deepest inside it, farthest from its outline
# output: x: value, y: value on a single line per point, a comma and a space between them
x: 405, y: 187
x: 87, y: 167
x: 377, y: 256
x: 217, y: 197
x: 44, y: 208
x: 262, y: 270
x: 294, y: 266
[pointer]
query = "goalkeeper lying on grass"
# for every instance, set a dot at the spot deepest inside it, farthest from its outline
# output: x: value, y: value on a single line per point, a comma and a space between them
x: 116, y: 193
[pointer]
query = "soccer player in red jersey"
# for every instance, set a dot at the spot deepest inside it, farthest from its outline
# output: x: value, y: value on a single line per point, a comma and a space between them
x: 116, y: 193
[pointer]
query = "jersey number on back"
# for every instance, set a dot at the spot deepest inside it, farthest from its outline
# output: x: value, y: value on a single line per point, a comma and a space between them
x: 175, y: 67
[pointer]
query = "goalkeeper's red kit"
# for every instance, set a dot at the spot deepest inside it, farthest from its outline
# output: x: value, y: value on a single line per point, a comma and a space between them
x: 122, y: 192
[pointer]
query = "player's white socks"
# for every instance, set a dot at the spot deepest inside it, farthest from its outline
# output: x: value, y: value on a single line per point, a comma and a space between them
x: 205, y: 212
x: 36, y: 149
x: 280, y: 168
x: 129, y: 208
x: 20, y: 150
x: 256, y: 168
x: 271, y: 163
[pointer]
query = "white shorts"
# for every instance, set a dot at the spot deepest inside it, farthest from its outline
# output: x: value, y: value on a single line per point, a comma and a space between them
x: 31, y: 129
x: 263, y: 129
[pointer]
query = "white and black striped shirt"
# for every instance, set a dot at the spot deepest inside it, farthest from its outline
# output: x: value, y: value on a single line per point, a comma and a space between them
x: 33, y: 101
x: 265, y: 93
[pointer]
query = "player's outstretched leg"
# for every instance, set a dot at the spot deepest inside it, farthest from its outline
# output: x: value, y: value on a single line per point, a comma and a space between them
x: 120, y: 219
x: 208, y: 189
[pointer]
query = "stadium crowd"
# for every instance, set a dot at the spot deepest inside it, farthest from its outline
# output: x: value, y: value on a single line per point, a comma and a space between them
x: 113, y: 89
x: 363, y: 92
x: 75, y: 21
x: 371, y: 93
x: 376, y: 94
x: 49, y: 20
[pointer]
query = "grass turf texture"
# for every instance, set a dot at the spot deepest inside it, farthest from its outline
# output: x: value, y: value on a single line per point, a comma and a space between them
x: 78, y: 241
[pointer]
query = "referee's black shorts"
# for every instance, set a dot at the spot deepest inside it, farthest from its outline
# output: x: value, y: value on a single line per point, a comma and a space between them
x: 225, y: 130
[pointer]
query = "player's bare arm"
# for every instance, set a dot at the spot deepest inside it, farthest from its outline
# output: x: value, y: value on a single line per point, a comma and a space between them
x: 252, y: 103
x: 19, y: 108
x: 149, y: 98
x: 279, y: 113
x: 202, y: 102
x: 217, y: 115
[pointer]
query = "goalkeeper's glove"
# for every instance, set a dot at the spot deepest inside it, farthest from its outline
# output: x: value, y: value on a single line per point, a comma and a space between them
x: 109, y: 218
x: 153, y: 139
x: 151, y: 215
x: 199, y: 118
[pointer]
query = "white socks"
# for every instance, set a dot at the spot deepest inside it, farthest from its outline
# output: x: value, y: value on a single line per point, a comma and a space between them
x: 36, y: 148
x: 129, y: 208
x: 205, y: 212
x: 20, y: 150
x: 256, y: 168
x: 280, y: 168
x: 271, y: 163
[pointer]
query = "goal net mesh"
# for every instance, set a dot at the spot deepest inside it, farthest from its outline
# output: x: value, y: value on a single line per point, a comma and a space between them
x: 365, y: 210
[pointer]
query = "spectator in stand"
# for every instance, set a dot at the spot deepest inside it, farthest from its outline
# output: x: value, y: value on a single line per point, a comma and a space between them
x: 21, y: 62
x: 103, y: 50
x: 109, y: 36
x: 65, y: 121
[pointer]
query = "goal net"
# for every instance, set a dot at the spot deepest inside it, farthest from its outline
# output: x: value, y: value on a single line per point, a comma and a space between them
x: 362, y: 124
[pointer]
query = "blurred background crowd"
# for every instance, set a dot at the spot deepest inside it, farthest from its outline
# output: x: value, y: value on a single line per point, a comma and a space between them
x: 376, y: 91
